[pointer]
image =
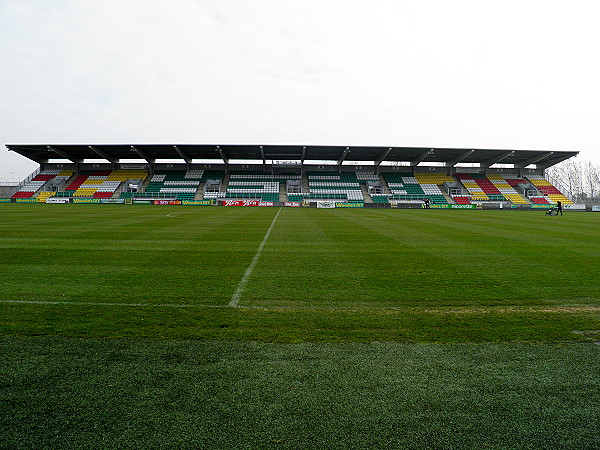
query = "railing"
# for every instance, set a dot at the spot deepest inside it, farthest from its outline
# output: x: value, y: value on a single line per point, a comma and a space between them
x: 30, y: 177
x: 9, y: 183
x: 151, y: 195
x: 561, y: 187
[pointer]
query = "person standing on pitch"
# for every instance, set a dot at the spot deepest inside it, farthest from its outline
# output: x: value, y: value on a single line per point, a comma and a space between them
x: 559, y: 208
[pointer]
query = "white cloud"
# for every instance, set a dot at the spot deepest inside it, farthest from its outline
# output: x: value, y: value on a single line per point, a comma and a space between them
x: 510, y: 74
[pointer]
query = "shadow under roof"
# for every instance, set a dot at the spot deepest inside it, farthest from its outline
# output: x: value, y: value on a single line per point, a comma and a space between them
x: 41, y: 153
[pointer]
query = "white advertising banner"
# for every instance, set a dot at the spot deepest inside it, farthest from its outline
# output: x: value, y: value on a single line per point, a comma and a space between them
x: 325, y: 204
x: 575, y: 206
x: 57, y: 200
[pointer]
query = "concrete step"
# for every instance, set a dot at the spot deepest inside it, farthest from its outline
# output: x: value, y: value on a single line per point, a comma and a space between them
x: 365, y: 191
x: 282, y: 193
x: 200, y: 192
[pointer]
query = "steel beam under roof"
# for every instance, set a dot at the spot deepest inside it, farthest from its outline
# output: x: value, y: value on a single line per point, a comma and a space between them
x: 534, y: 160
x: 41, y: 153
x: 183, y: 155
x: 65, y: 155
x: 143, y: 155
x: 103, y: 154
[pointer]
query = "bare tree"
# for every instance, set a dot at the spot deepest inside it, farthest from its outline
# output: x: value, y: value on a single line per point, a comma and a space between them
x: 592, y: 179
x: 581, y: 178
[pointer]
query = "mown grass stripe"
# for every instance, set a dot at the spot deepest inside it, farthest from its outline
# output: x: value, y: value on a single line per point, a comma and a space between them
x: 449, y: 310
x: 235, y: 298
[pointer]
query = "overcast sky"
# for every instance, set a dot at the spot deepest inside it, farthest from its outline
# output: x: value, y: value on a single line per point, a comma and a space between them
x: 514, y: 74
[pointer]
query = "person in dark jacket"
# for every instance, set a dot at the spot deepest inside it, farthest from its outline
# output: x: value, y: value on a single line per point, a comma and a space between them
x: 559, y: 206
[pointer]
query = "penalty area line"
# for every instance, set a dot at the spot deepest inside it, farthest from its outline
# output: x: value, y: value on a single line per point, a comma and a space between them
x: 235, y: 298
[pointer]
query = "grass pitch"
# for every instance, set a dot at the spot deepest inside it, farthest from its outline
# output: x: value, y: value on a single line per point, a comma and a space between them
x: 322, y: 275
x: 354, y: 328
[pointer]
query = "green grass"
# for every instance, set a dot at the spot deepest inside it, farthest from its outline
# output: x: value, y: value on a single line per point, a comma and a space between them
x: 324, y: 275
x: 73, y: 393
x: 356, y: 328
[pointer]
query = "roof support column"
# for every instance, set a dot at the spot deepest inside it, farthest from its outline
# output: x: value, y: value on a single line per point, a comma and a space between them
x: 380, y: 159
x: 487, y: 164
x: 183, y: 155
x: 103, y: 154
x: 65, y: 155
x: 143, y: 155
x: 534, y: 160
x: 459, y: 158
x: 342, y: 158
x: 548, y: 164
x: 224, y: 158
x: 264, y: 160
x: 420, y: 158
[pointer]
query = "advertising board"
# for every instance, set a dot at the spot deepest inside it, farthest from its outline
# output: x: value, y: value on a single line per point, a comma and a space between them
x: 198, y: 202
x: 575, y: 206
x: 246, y: 203
x: 5, y: 200
x: 349, y: 205
x: 112, y: 200
x: 292, y: 204
x: 58, y: 200
x: 86, y: 200
x: 26, y: 200
x: 166, y: 202
x: 325, y: 204
x: 453, y: 206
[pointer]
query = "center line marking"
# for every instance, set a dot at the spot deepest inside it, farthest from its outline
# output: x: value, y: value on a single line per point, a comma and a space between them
x: 235, y: 298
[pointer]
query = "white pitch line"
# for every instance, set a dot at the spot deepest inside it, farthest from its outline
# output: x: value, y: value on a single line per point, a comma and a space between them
x: 235, y: 298
x: 159, y: 305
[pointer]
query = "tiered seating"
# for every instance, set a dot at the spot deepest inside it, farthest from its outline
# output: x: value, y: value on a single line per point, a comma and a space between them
x: 331, y: 186
x: 546, y: 188
x: 540, y: 200
x: 36, y: 183
x: 100, y: 183
x: 380, y: 198
x: 513, y: 181
x: 506, y: 189
x: 406, y: 188
x: 176, y: 184
x: 267, y: 191
x: 114, y: 180
x: 94, y: 182
x: 29, y: 189
x: 74, y: 185
x: 433, y: 178
x: 366, y: 176
x: 252, y: 185
x: 42, y: 196
x: 462, y: 200
x: 431, y: 182
x: 480, y: 187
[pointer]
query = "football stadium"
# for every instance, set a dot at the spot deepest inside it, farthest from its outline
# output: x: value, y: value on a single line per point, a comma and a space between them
x: 289, y: 296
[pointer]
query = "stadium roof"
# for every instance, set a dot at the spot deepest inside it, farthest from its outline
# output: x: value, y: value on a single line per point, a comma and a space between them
x: 77, y: 153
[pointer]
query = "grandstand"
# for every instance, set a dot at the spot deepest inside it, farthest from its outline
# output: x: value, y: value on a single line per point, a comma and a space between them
x: 307, y: 175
